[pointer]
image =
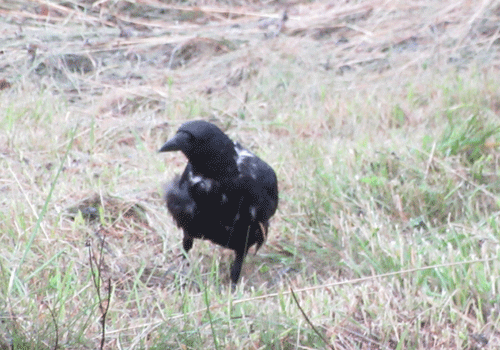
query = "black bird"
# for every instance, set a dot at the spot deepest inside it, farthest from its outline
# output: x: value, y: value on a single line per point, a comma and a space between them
x: 226, y: 193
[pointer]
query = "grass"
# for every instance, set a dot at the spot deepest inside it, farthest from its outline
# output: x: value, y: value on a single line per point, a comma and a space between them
x: 387, y: 229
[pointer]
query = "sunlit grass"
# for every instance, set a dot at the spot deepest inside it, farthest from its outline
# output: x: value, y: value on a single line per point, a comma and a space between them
x: 351, y: 206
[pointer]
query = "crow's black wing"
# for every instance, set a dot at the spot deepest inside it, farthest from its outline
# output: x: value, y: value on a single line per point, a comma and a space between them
x: 260, y: 182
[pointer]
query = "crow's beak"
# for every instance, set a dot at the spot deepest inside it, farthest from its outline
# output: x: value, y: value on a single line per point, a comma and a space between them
x: 176, y: 143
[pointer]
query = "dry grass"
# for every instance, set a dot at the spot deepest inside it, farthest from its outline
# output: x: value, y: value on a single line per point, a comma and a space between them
x: 381, y: 119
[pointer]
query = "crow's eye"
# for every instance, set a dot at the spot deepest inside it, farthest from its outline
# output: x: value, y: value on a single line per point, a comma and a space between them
x: 188, y: 140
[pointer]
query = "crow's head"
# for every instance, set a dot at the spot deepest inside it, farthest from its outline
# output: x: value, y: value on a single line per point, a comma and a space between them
x: 210, y: 151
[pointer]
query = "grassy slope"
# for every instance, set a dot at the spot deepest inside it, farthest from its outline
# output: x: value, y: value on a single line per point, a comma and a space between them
x: 385, y: 166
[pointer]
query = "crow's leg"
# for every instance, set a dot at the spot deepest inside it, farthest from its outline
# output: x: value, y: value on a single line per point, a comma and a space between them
x: 187, y: 243
x: 241, y: 253
x: 237, y: 265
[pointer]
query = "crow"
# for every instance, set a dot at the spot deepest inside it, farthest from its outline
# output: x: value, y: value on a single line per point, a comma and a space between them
x: 226, y: 194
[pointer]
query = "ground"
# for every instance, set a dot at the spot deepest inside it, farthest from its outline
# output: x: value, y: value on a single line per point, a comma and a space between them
x: 381, y: 119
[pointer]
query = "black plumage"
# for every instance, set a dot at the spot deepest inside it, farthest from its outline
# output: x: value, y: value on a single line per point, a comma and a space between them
x: 226, y: 194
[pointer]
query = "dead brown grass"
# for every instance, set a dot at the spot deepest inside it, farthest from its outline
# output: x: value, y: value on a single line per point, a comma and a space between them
x: 132, y: 51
